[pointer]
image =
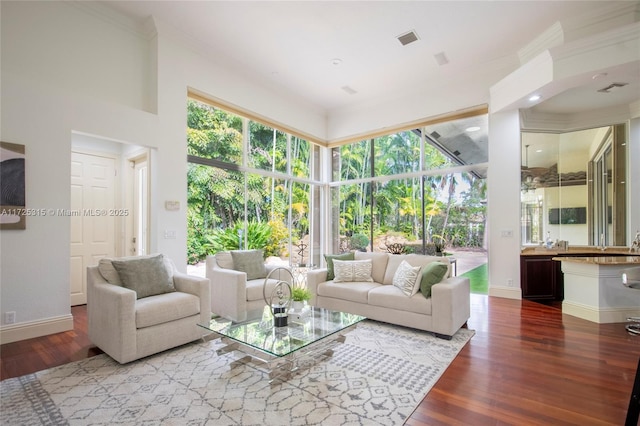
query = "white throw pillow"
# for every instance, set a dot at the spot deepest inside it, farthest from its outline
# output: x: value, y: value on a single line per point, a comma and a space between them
x: 352, y: 270
x: 407, y: 278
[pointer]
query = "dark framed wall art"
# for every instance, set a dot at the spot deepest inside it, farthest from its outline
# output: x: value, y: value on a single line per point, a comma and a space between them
x: 12, y: 186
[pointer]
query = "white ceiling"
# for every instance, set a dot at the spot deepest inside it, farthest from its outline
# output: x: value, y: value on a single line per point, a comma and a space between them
x: 292, y: 45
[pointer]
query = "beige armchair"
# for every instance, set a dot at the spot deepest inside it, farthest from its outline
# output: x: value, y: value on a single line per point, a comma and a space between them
x: 128, y: 327
x: 237, y: 279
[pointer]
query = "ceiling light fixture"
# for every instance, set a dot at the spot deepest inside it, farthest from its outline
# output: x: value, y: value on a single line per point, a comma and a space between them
x: 534, y: 98
x: 336, y: 61
x: 472, y: 129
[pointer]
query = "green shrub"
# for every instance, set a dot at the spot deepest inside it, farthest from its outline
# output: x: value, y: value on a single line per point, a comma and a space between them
x: 359, y: 242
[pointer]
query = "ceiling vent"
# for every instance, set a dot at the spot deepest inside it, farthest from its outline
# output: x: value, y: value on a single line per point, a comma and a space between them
x: 407, y: 38
x: 612, y: 87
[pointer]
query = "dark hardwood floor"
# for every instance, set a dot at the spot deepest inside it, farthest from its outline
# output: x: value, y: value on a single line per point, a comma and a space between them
x: 527, y: 364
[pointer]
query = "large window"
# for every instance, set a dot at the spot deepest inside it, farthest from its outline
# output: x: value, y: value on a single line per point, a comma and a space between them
x: 263, y: 199
x: 423, y: 190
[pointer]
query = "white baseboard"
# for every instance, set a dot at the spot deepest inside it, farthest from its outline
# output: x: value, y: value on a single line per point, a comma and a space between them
x: 29, y: 330
x: 506, y: 292
x: 600, y: 316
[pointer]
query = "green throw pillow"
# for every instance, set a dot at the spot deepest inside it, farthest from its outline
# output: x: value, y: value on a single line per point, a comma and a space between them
x: 146, y: 275
x: 249, y: 261
x: 432, y: 274
x: 330, y: 257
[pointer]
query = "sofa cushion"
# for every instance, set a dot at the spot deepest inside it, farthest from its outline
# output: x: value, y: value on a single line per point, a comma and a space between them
x: 146, y: 275
x: 355, y: 291
x: 389, y: 296
x: 250, y: 262
x: 352, y: 270
x: 224, y: 259
x: 392, y: 266
x: 329, y: 258
x: 378, y: 261
x: 432, y: 274
x: 163, y: 308
x: 406, y: 278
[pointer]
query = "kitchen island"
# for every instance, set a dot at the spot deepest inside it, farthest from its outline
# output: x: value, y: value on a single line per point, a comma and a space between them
x: 593, y: 288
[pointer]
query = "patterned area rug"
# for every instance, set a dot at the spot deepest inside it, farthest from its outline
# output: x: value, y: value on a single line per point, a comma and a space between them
x: 377, y: 377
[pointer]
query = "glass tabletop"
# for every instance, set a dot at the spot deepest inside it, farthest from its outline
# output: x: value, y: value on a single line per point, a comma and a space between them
x: 304, y: 328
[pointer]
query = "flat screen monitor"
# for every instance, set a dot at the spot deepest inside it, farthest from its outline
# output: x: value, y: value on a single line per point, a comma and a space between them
x: 568, y: 216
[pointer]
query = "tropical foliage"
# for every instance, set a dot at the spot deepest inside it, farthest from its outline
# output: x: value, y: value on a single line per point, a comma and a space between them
x: 267, y: 205
x: 454, y: 204
x: 217, y: 205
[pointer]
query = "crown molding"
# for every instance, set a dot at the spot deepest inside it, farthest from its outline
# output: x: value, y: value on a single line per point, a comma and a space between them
x: 553, y: 36
x: 597, y: 21
x: 562, y: 123
x: 145, y: 29
x: 617, y: 37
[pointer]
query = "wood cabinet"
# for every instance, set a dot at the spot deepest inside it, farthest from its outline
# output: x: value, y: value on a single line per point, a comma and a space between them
x: 541, y: 277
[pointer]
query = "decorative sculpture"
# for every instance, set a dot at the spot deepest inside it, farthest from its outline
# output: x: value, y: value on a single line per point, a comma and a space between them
x: 395, y: 248
x: 280, y: 297
x: 301, y: 247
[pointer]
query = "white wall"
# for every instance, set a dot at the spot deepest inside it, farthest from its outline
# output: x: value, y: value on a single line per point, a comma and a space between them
x: 503, y: 208
x: 63, y: 71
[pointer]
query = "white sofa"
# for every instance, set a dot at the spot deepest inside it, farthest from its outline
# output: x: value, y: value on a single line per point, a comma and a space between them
x: 233, y: 296
x: 443, y: 313
x: 128, y: 328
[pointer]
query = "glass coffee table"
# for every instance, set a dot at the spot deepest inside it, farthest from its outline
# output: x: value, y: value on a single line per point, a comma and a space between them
x: 309, y: 336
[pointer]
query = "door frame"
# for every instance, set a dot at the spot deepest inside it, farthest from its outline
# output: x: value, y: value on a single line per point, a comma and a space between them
x: 130, y: 161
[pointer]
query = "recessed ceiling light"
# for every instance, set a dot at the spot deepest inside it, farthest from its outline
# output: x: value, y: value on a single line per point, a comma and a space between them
x: 538, y: 150
x: 472, y: 129
x: 336, y: 61
x: 599, y: 75
x: 534, y: 98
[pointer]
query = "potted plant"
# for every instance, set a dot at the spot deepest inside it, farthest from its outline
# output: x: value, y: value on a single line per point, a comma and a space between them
x: 299, y: 296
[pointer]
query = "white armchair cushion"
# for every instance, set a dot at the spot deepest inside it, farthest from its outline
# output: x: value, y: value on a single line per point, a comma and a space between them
x: 154, y: 310
x: 146, y: 275
x: 250, y: 262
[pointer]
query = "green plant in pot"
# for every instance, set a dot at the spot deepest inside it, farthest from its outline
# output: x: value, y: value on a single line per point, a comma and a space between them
x: 299, y: 296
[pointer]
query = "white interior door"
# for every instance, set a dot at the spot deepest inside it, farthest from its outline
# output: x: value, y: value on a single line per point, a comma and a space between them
x: 92, y: 225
